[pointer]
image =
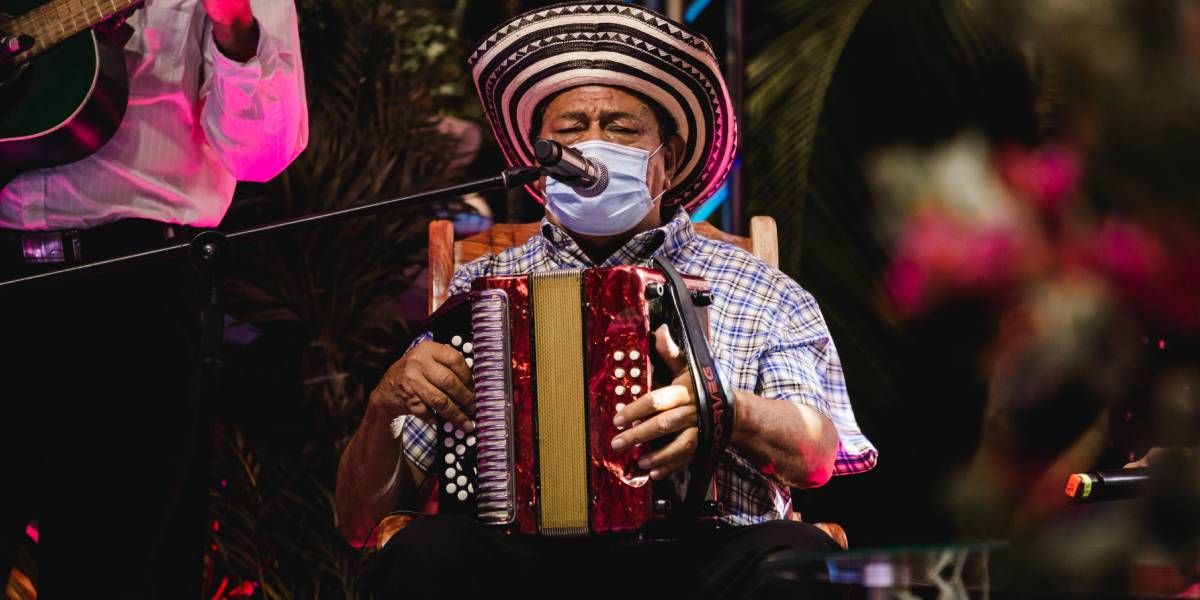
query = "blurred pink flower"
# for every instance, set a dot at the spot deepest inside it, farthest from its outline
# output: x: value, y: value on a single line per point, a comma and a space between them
x: 1045, y: 177
x: 1160, y: 282
x: 937, y: 254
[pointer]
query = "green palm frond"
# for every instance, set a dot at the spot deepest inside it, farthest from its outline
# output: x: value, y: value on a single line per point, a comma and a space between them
x: 786, y: 83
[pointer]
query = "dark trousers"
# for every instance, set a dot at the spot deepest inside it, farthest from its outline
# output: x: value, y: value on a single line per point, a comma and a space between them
x: 100, y: 434
x: 454, y: 557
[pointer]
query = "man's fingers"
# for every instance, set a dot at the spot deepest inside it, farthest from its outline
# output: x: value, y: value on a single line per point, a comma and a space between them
x: 441, y: 404
x: 654, y: 402
x: 664, y: 423
x: 669, y: 350
x: 452, y: 359
x: 449, y: 384
x: 672, y: 457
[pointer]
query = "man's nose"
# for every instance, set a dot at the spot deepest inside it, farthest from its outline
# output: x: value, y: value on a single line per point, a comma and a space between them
x: 593, y: 133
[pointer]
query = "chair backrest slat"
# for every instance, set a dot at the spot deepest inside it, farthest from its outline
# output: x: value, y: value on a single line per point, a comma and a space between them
x: 445, y: 254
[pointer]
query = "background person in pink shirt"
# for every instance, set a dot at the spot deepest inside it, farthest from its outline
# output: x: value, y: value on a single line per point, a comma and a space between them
x: 100, y: 432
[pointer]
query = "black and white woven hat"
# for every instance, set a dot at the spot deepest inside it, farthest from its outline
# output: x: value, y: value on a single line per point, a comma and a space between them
x: 546, y: 51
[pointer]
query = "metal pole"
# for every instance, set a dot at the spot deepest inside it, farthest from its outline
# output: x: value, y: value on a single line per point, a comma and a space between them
x: 735, y: 72
x: 675, y: 10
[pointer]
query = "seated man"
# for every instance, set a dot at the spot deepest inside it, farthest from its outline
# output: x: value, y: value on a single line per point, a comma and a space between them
x: 624, y: 85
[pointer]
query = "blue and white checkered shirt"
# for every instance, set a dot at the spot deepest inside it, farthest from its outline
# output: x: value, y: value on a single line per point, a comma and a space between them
x: 766, y: 333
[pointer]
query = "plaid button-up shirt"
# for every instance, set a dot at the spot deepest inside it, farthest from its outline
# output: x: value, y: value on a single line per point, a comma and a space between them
x: 766, y: 333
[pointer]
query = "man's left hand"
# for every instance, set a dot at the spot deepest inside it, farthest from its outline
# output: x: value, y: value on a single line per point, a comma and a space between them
x: 234, y: 29
x: 667, y: 411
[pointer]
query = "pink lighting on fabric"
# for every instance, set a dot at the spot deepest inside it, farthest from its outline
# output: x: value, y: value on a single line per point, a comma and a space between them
x: 31, y: 530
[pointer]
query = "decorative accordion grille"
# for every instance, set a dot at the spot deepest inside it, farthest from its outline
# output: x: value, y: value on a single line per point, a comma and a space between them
x: 493, y: 408
x: 561, y: 402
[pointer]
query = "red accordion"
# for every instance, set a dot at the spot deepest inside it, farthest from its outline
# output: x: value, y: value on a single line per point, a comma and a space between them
x: 554, y: 357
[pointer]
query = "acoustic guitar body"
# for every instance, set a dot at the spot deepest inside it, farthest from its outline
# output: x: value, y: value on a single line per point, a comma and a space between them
x: 61, y: 105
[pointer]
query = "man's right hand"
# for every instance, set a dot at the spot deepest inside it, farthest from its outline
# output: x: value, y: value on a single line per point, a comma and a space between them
x: 430, y: 379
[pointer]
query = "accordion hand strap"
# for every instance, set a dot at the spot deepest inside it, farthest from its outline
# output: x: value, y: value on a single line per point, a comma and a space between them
x: 714, y: 401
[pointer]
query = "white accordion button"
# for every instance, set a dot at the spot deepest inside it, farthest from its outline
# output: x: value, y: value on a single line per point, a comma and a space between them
x: 449, y: 458
x: 618, y: 356
x: 619, y: 390
x: 456, y: 340
x: 619, y: 373
x: 635, y: 372
x: 471, y: 488
x: 460, y: 449
x: 634, y: 355
x: 462, y: 480
x: 470, y: 440
x: 462, y: 495
x: 467, y: 347
x: 450, y: 472
x: 470, y: 362
x: 635, y: 390
x: 620, y: 406
x: 451, y: 488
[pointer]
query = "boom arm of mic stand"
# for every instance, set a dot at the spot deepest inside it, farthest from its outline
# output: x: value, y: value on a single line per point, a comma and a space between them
x: 508, y: 179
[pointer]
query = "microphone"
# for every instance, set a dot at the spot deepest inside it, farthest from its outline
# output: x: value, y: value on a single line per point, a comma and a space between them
x: 587, y: 176
x: 1115, y: 484
x: 12, y: 45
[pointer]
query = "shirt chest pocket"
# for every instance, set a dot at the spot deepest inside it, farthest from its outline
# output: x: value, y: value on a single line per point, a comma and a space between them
x: 163, y: 56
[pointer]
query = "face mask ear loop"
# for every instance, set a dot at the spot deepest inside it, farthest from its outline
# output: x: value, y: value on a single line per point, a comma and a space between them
x: 650, y: 156
x: 660, y: 147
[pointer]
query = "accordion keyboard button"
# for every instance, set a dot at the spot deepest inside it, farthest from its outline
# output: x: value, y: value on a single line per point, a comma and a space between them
x: 619, y: 373
x: 635, y: 390
x: 634, y: 355
x: 635, y: 372
x: 461, y: 480
x: 459, y: 434
x: 618, y: 356
x: 468, y: 347
x: 450, y: 472
x: 449, y: 458
x: 460, y: 449
x: 619, y: 390
x: 462, y: 495
x: 451, y: 488
x: 470, y: 440
x: 456, y: 341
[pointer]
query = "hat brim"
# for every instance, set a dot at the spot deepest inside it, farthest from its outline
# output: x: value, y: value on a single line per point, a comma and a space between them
x: 544, y: 52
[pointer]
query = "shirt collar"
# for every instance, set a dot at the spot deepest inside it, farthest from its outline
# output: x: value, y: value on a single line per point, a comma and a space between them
x: 665, y: 240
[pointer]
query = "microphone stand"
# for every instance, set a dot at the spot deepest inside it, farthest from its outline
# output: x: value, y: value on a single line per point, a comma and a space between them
x: 211, y: 255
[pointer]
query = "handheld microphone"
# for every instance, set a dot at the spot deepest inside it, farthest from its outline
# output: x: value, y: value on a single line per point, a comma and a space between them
x: 1115, y: 484
x: 587, y: 176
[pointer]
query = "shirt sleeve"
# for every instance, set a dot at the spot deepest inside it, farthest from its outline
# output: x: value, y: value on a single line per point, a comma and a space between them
x: 801, y: 365
x: 255, y: 114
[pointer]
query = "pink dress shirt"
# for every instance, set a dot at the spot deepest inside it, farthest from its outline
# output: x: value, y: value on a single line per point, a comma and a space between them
x: 197, y: 123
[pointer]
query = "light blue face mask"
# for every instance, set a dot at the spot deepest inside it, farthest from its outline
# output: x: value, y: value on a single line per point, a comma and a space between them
x: 617, y: 209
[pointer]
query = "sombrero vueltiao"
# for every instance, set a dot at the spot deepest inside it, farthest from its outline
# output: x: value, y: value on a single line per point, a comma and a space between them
x: 549, y: 50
